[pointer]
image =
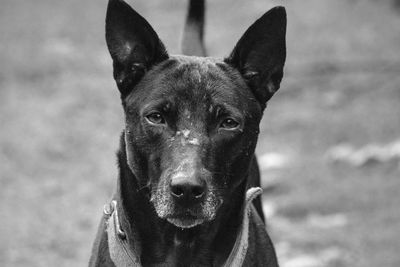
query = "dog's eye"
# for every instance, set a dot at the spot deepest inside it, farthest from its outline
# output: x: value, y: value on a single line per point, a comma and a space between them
x: 229, y: 124
x: 155, y: 118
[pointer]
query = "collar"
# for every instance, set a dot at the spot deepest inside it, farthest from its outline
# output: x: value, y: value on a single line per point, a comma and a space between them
x: 123, y: 256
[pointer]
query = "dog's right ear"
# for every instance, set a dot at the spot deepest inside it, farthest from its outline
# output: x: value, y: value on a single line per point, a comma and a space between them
x: 133, y: 44
x: 260, y: 54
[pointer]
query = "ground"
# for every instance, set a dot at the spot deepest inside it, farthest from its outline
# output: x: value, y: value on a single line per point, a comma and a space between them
x: 61, y: 119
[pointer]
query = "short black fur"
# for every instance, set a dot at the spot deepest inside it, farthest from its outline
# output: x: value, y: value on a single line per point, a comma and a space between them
x: 186, y: 155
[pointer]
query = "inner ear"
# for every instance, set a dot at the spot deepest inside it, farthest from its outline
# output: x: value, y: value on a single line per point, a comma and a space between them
x: 133, y: 44
x: 260, y: 54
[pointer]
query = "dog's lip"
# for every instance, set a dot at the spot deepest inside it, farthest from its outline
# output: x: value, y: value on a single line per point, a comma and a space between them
x: 185, y: 221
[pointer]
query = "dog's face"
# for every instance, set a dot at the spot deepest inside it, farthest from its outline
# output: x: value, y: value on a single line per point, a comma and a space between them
x: 191, y: 128
x: 192, y: 123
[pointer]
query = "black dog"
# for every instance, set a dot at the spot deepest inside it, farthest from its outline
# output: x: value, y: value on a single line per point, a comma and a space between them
x: 186, y: 156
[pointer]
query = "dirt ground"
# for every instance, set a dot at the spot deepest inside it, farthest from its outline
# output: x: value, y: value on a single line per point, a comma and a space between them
x: 60, y: 120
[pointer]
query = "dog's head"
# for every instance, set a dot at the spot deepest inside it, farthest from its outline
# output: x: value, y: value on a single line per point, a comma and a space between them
x: 192, y: 123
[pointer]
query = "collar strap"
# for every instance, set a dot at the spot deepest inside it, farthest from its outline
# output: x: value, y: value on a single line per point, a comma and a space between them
x: 118, y: 246
x: 239, y: 251
x: 123, y: 256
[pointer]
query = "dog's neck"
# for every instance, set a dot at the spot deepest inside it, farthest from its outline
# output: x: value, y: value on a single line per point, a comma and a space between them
x: 158, y: 241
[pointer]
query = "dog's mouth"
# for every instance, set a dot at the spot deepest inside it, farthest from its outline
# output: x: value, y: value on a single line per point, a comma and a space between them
x: 185, y: 221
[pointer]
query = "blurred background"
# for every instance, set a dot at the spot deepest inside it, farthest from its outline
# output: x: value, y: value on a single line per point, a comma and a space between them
x: 329, y: 149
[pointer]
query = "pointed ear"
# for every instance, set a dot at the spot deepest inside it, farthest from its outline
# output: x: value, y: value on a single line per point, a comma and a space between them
x: 133, y: 44
x: 261, y: 52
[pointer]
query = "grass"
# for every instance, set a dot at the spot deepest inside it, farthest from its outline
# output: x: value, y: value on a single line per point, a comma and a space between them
x: 60, y: 117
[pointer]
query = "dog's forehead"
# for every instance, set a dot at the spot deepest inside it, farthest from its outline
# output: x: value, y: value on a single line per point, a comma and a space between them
x: 189, y: 81
x: 199, y: 78
x: 196, y: 75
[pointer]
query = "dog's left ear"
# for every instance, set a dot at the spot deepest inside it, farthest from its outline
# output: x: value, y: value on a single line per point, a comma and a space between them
x: 260, y: 54
x: 133, y: 44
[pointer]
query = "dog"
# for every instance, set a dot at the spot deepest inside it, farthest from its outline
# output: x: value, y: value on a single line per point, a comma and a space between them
x: 187, y: 170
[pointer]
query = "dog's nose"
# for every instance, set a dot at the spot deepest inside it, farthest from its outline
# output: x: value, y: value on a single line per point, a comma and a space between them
x: 187, y: 191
